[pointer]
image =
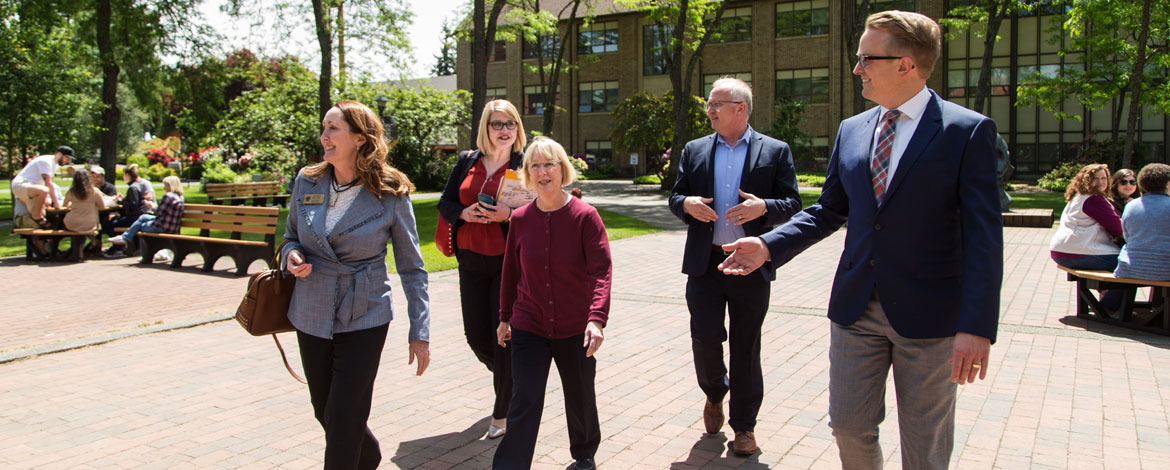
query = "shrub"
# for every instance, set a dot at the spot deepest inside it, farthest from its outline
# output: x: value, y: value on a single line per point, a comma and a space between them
x: 141, y: 160
x: 601, y: 171
x: 1058, y: 179
x: 807, y: 179
x: 157, y: 172
x: 271, y: 158
x: 648, y: 179
x: 579, y: 164
x: 218, y: 174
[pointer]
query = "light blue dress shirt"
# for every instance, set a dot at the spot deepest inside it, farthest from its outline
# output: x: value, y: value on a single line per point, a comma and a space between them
x: 729, y: 162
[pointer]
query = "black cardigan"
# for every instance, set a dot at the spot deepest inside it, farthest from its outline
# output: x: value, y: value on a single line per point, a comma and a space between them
x: 449, y: 206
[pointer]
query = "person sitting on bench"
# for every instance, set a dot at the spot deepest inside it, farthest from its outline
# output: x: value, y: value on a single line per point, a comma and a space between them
x: 166, y: 218
x: 1146, y: 224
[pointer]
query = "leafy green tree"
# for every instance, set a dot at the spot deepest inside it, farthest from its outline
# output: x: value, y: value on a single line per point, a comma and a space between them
x: 44, y: 82
x: 445, y: 61
x: 688, y: 22
x: 990, y: 15
x: 483, y: 37
x: 538, y: 28
x: 1122, y: 53
x: 646, y: 122
x: 786, y: 127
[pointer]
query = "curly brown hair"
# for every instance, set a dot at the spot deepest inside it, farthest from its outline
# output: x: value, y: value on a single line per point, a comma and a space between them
x: 373, y: 170
x: 1082, y: 183
x: 1154, y: 177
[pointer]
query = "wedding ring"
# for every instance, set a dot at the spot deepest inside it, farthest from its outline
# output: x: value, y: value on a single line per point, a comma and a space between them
x: 975, y: 366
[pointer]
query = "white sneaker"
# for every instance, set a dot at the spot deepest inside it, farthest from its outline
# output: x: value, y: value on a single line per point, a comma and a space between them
x: 118, y: 240
x: 163, y: 256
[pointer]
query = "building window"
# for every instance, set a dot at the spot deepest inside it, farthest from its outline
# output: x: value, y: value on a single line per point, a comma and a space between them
x: 599, y: 152
x: 734, y: 25
x: 545, y: 46
x: 500, y: 93
x: 709, y: 80
x: 595, y: 97
x: 499, y: 52
x: 807, y: 85
x: 808, y: 18
x: 535, y: 102
x: 654, y: 48
x: 598, y: 38
x: 885, y: 5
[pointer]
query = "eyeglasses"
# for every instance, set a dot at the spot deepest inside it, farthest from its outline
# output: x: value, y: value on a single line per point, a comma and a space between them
x: 501, y: 125
x: 863, y: 60
x: 716, y: 104
x: 1128, y: 182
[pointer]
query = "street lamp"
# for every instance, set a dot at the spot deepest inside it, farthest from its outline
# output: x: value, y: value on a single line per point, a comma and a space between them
x: 389, y: 126
x: 381, y: 100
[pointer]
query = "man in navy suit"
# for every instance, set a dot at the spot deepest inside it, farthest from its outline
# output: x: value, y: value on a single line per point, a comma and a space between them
x: 917, y: 286
x: 732, y: 183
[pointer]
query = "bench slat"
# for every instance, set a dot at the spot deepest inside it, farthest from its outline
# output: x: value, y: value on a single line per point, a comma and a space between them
x: 261, y: 229
x: 194, y: 238
x: 237, y: 219
x: 1107, y: 276
x: 51, y: 233
x: 217, y: 209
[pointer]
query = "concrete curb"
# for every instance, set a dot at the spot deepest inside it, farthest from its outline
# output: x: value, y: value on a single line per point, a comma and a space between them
x: 76, y: 343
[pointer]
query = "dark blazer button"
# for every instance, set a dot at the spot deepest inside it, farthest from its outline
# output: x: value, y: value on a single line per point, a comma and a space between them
x: 877, y: 227
x: 871, y: 263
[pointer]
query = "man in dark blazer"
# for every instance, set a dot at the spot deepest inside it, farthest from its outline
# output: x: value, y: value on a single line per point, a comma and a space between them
x: 917, y: 286
x: 735, y: 182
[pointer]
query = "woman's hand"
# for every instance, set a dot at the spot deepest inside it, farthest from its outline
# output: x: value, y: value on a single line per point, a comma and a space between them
x: 593, y: 337
x: 297, y: 265
x: 421, y: 350
x: 472, y: 214
x: 503, y: 333
x: 497, y: 213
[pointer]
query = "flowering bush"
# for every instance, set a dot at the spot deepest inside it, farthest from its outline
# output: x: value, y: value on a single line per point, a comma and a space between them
x: 160, y: 155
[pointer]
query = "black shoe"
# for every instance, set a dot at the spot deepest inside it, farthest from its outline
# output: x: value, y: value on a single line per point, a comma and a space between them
x: 114, y: 254
x: 586, y: 464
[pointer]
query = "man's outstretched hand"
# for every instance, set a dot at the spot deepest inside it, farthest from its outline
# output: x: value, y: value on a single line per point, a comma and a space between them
x: 749, y: 254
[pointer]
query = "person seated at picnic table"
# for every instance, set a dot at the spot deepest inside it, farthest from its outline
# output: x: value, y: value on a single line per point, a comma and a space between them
x: 97, y: 176
x: 84, y: 203
x: 166, y: 218
x: 1123, y: 189
x: 1146, y: 224
x: 35, y: 182
x: 133, y: 203
x: 1087, y: 224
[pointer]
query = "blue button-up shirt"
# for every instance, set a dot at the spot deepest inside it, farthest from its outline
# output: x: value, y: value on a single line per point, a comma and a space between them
x: 729, y: 162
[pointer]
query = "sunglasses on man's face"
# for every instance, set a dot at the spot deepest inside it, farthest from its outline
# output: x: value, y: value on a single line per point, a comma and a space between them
x: 1128, y: 182
x: 501, y: 125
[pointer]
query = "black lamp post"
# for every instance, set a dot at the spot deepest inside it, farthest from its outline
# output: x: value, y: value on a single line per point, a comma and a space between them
x: 389, y: 125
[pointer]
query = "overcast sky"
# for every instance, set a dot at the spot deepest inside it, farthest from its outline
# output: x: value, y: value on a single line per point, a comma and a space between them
x: 260, y: 36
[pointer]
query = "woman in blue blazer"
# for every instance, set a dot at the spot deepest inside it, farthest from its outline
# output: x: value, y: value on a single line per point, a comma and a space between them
x: 343, y: 212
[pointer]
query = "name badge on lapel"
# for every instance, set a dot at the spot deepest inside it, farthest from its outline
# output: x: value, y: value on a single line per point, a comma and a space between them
x: 314, y: 199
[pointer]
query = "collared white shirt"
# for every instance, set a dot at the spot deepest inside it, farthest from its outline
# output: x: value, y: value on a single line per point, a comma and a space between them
x: 907, y: 123
x: 729, y: 162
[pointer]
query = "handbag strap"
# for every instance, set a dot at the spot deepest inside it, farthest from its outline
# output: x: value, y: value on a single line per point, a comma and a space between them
x: 285, y: 359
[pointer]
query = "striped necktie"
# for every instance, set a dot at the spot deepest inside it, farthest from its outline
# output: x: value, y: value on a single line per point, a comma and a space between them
x: 880, y: 165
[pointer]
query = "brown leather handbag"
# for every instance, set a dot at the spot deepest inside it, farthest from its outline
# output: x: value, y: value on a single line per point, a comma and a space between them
x: 264, y: 309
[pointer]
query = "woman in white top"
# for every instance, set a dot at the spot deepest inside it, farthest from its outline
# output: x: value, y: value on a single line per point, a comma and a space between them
x: 1087, y: 224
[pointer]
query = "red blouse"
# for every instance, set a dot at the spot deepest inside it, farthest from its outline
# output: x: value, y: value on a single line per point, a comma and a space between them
x: 485, y: 239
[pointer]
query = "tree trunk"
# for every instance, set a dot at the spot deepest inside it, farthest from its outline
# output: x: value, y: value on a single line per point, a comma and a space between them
x: 1115, y: 125
x: 325, y: 41
x: 483, y: 38
x: 995, y: 17
x: 341, y: 46
x: 1135, y: 87
x: 555, y: 75
x: 681, y: 84
x: 111, y: 115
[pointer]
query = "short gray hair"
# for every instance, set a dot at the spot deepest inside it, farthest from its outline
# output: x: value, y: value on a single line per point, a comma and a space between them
x: 738, y: 88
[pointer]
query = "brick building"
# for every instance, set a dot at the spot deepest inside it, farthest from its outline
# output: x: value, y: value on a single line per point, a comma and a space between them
x: 792, y: 49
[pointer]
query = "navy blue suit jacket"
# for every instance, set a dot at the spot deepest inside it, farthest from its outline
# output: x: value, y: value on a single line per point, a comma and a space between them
x: 768, y: 173
x: 934, y: 249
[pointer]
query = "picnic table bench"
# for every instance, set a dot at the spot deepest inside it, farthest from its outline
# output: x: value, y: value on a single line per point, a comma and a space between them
x: 239, y: 193
x: 1152, y: 315
x: 237, y: 220
x: 53, y: 237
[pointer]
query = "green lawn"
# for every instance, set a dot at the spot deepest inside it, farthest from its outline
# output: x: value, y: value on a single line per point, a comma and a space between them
x: 1045, y: 200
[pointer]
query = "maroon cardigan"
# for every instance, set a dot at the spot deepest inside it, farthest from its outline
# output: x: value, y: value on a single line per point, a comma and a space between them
x: 557, y: 270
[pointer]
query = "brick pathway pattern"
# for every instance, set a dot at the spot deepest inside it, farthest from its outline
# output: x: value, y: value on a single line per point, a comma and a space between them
x: 191, y: 392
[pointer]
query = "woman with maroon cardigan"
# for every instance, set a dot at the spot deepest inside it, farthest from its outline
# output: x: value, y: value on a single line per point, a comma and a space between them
x: 1087, y: 224
x: 554, y: 302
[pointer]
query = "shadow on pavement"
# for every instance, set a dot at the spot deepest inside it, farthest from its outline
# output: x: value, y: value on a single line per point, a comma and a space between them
x: 467, y: 444
x: 1115, y: 331
x: 714, y: 451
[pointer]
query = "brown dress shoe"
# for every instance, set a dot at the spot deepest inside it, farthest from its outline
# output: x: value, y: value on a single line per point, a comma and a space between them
x: 745, y: 443
x: 713, y: 416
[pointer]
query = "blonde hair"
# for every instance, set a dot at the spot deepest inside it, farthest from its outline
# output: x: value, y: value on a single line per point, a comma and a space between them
x: 171, y: 184
x: 913, y: 34
x: 545, y: 147
x: 373, y: 170
x: 1082, y: 183
x: 132, y: 170
x: 484, y: 140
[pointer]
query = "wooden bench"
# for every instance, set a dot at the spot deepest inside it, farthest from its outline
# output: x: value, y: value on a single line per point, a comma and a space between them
x: 239, y: 193
x: 52, y: 240
x: 237, y: 220
x: 1151, y: 315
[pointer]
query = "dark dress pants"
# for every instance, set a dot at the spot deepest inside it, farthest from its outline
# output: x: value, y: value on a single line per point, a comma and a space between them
x: 109, y: 225
x: 531, y: 357
x: 341, y: 373
x: 745, y: 300
x: 479, y: 295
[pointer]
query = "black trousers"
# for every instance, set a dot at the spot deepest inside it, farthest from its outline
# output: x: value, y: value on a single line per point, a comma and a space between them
x: 341, y: 373
x: 745, y: 300
x: 531, y: 356
x: 479, y: 295
x: 108, y: 225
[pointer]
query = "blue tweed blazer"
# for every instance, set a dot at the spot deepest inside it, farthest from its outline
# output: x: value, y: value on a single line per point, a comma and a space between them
x: 349, y: 288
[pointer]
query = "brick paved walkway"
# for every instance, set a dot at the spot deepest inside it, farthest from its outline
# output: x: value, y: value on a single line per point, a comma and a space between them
x: 1062, y: 394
